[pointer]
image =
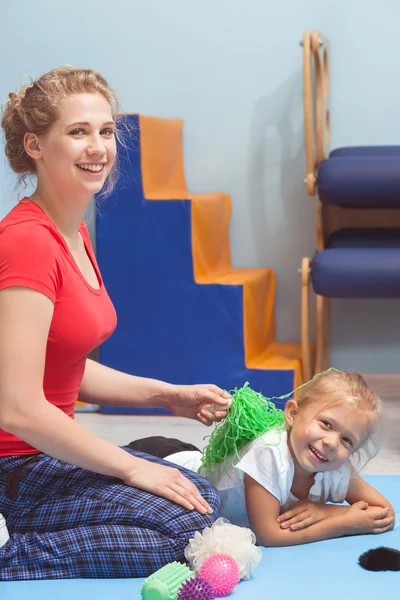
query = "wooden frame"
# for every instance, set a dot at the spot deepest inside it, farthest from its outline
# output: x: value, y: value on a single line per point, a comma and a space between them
x: 316, y: 58
x: 307, y: 367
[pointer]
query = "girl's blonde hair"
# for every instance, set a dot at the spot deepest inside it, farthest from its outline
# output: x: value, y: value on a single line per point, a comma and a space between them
x: 341, y: 387
x: 35, y: 108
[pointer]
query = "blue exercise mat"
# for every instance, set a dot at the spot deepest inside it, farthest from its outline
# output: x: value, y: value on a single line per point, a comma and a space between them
x: 328, y: 570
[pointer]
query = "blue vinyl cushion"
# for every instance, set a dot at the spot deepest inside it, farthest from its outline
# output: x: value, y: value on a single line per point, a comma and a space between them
x: 360, y: 181
x: 359, y: 263
x: 366, y: 151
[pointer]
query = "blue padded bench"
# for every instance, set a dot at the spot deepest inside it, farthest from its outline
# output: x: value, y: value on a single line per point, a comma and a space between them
x: 359, y: 263
x: 357, y: 252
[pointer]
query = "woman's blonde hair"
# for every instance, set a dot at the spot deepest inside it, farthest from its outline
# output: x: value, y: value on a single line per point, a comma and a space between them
x: 35, y: 108
x: 340, y: 387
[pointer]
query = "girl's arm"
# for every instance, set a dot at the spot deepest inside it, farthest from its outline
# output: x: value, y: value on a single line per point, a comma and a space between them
x: 305, y: 513
x: 25, y: 318
x: 263, y: 512
x: 359, y: 489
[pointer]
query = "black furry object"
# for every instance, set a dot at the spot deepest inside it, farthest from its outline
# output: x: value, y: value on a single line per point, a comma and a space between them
x: 380, y: 559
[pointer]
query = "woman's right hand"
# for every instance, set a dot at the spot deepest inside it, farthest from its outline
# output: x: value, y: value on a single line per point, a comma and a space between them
x: 362, y: 518
x: 167, y: 482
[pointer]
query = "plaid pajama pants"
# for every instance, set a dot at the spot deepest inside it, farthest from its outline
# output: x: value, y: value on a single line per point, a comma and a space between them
x: 67, y: 522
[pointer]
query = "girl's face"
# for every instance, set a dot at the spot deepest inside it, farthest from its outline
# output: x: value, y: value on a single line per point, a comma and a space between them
x: 77, y: 153
x: 323, y: 436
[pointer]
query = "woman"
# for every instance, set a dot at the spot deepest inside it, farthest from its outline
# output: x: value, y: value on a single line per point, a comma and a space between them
x: 76, y: 505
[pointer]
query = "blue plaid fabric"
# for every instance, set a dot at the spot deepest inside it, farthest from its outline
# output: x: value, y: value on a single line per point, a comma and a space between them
x: 67, y: 522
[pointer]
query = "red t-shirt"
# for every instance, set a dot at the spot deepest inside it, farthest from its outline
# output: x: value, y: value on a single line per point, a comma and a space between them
x: 34, y: 254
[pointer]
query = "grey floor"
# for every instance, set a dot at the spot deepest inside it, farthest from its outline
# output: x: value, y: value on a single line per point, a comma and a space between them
x: 122, y: 429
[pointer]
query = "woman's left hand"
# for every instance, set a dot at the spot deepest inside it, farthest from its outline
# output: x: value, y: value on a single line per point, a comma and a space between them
x: 200, y: 402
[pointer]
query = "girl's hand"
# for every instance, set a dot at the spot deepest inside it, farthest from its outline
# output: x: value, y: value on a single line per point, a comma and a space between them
x: 302, y: 515
x: 205, y: 403
x: 362, y: 518
x: 167, y: 482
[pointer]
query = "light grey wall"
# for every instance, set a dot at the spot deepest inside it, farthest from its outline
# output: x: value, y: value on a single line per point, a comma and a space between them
x: 232, y: 69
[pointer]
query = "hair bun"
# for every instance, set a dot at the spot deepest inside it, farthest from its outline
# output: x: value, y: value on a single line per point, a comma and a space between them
x: 17, y: 97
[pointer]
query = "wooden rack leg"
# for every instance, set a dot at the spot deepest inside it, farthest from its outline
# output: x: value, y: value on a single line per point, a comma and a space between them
x: 323, y: 326
x: 305, y: 319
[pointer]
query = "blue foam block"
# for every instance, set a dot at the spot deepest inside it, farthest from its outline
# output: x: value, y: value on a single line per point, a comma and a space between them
x: 327, y: 570
x: 169, y: 327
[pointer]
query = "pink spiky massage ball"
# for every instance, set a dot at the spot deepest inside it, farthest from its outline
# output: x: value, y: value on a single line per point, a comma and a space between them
x: 222, y: 573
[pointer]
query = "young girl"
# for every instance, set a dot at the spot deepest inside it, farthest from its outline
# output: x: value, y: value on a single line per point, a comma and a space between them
x: 279, y: 484
x: 76, y: 505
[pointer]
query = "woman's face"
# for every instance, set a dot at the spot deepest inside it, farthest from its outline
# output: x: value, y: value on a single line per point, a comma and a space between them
x: 79, y: 150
